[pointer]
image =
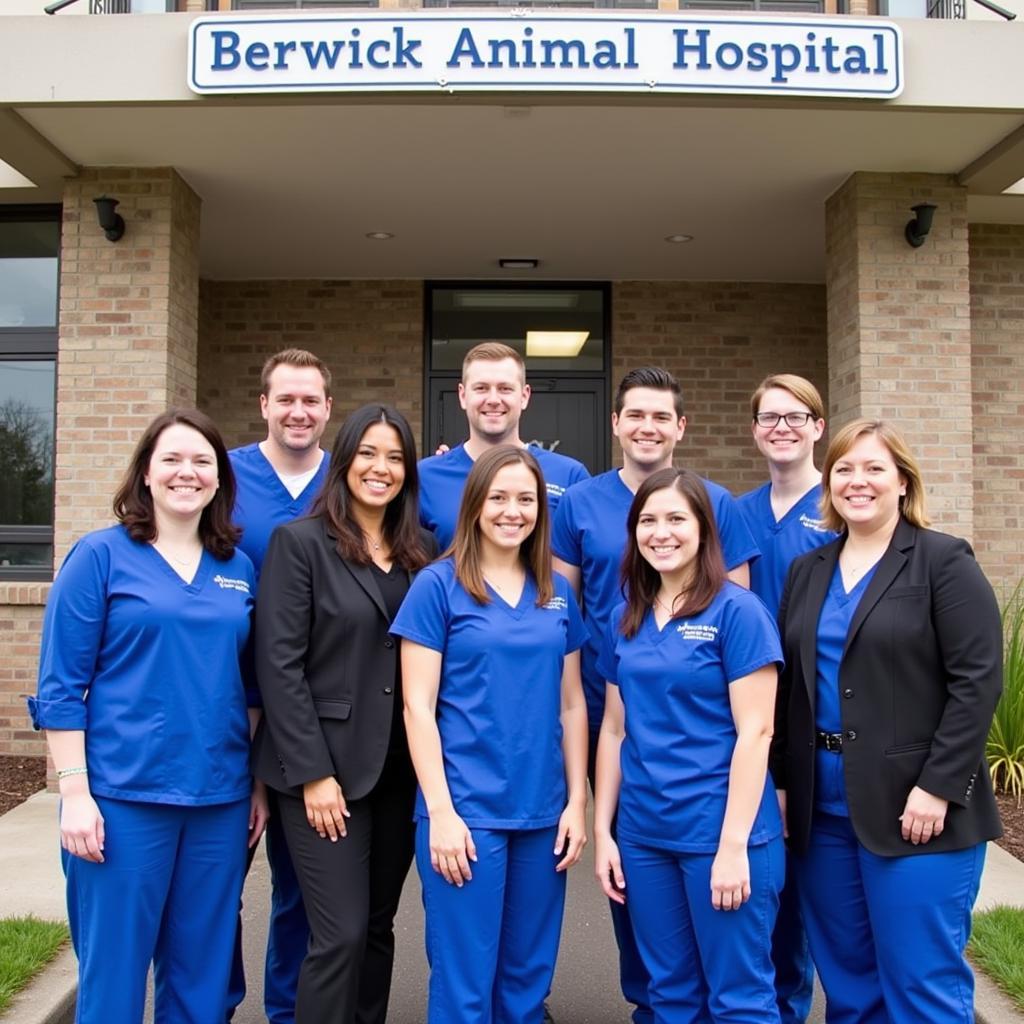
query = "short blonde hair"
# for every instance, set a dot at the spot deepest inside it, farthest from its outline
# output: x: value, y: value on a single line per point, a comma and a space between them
x: 912, y: 504
x: 494, y: 352
x: 299, y: 357
x: 799, y: 387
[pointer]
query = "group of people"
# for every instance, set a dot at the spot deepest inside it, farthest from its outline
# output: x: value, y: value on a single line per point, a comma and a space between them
x: 779, y: 702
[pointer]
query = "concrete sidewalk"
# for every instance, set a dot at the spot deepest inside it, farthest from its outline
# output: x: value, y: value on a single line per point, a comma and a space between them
x: 586, y: 985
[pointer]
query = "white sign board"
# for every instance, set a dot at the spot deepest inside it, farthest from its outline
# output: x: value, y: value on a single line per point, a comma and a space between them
x: 537, y: 51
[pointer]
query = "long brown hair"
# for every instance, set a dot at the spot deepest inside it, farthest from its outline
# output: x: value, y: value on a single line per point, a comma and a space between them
x: 401, y: 517
x: 641, y: 581
x: 133, y: 502
x: 534, y: 552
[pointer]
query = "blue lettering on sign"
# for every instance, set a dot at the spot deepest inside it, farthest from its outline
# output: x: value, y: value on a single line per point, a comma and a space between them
x: 553, y: 53
x: 781, y: 59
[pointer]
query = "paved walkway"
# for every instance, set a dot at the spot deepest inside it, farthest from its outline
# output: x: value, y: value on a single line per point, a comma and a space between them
x: 585, y: 990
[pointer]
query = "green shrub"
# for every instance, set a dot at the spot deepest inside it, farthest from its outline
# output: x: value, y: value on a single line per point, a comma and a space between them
x: 27, y: 945
x: 1005, y: 748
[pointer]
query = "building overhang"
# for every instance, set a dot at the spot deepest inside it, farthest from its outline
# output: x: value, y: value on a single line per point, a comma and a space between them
x: 591, y: 185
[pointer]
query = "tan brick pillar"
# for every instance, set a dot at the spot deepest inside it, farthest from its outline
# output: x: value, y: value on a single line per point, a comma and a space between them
x: 128, y: 315
x: 899, y: 326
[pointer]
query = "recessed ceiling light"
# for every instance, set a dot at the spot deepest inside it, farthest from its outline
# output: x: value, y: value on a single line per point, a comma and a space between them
x: 379, y: 236
x: 555, y: 344
x: 518, y: 264
x: 678, y: 239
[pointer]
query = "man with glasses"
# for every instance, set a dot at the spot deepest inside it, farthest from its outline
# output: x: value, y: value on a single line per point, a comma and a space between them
x: 784, y: 517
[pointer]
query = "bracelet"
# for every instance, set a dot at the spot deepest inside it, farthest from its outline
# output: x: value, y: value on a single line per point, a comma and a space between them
x: 65, y: 772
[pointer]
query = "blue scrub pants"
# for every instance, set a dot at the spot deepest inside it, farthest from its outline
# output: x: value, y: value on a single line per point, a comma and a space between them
x: 633, y: 977
x: 791, y: 956
x: 706, y: 965
x: 492, y: 945
x: 166, y: 893
x: 888, y: 933
x: 287, y: 934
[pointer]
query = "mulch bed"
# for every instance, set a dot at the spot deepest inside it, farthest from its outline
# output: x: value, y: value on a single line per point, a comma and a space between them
x: 20, y: 777
x: 1013, y: 826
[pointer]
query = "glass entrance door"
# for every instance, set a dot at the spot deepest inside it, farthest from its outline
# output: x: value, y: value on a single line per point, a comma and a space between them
x: 562, y: 332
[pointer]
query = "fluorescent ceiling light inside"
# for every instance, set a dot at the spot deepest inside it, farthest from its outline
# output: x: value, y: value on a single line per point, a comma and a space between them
x: 10, y: 178
x: 516, y: 300
x: 555, y: 344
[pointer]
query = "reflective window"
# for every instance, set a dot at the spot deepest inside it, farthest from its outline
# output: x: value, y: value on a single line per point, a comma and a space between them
x: 29, y: 245
x: 556, y: 329
x: 28, y: 273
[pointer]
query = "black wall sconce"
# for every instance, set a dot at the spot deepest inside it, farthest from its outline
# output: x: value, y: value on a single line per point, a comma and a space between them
x: 110, y: 220
x: 918, y: 228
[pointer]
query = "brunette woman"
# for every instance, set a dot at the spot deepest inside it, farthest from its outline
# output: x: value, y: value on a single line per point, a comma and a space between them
x: 893, y: 669
x: 142, y: 700
x: 691, y: 661
x: 331, y: 744
x: 498, y: 733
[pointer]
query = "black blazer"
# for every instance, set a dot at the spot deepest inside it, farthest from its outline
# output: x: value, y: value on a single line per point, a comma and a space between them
x: 920, y: 678
x: 325, y: 664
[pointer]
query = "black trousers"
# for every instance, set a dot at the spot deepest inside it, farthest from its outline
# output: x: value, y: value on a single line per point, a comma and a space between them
x: 351, y: 890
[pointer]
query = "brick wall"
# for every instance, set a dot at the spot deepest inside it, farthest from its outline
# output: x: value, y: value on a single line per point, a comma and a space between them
x: 900, y: 329
x: 997, y: 322
x: 21, y: 619
x: 127, y: 332
x: 370, y: 334
x: 721, y: 340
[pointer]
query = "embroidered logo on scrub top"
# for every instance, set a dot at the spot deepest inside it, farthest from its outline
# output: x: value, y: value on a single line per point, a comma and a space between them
x: 557, y: 604
x: 813, y: 524
x: 227, y: 583
x: 697, y: 631
x: 554, y: 490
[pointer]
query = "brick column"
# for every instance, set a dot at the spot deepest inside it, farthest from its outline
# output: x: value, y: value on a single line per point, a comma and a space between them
x: 128, y: 314
x: 997, y: 321
x: 899, y: 326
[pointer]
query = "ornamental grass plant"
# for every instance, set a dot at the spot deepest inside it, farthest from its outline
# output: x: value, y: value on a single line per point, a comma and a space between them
x: 1005, y: 748
x: 27, y: 945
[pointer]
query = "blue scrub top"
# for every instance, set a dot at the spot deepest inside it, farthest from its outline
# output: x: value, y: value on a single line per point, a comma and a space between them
x: 499, y: 700
x: 148, y: 666
x: 800, y: 530
x: 680, y: 733
x: 837, y: 613
x: 263, y: 503
x: 590, y: 531
x: 443, y: 479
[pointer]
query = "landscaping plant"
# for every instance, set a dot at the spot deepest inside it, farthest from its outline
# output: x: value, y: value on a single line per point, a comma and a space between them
x: 1005, y: 748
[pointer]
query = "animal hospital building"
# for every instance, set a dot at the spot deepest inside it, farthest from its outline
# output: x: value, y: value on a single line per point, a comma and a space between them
x: 727, y: 188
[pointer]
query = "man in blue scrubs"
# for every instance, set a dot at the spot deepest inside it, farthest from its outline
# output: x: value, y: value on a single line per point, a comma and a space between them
x: 784, y: 517
x: 277, y: 480
x: 588, y: 540
x: 494, y: 393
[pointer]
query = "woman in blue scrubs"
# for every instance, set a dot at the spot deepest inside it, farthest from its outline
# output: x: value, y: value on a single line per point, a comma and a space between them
x: 497, y: 730
x: 893, y: 669
x: 691, y: 661
x: 142, y: 699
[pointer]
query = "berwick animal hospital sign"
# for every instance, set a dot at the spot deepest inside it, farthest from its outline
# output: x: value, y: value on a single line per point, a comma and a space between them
x: 530, y: 51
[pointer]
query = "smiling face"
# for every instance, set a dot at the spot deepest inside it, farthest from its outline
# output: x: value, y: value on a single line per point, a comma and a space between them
x: 509, y: 512
x: 865, y: 486
x: 668, y: 536
x: 494, y: 396
x: 377, y: 471
x: 296, y: 408
x: 182, y: 474
x: 648, y: 427
x: 782, y: 444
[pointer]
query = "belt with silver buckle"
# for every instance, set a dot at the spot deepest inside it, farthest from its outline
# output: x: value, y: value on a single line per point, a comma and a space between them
x: 830, y: 741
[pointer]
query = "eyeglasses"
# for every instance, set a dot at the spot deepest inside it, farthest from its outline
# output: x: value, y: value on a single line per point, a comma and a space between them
x: 794, y: 420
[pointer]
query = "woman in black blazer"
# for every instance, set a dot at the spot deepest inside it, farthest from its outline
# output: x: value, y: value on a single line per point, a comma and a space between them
x: 893, y: 649
x: 331, y: 745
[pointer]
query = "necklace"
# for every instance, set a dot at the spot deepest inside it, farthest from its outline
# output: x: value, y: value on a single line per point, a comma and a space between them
x: 167, y: 553
x: 661, y: 604
x: 374, y: 543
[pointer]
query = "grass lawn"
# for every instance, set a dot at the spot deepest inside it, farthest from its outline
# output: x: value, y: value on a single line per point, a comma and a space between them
x: 27, y: 945
x: 997, y: 947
